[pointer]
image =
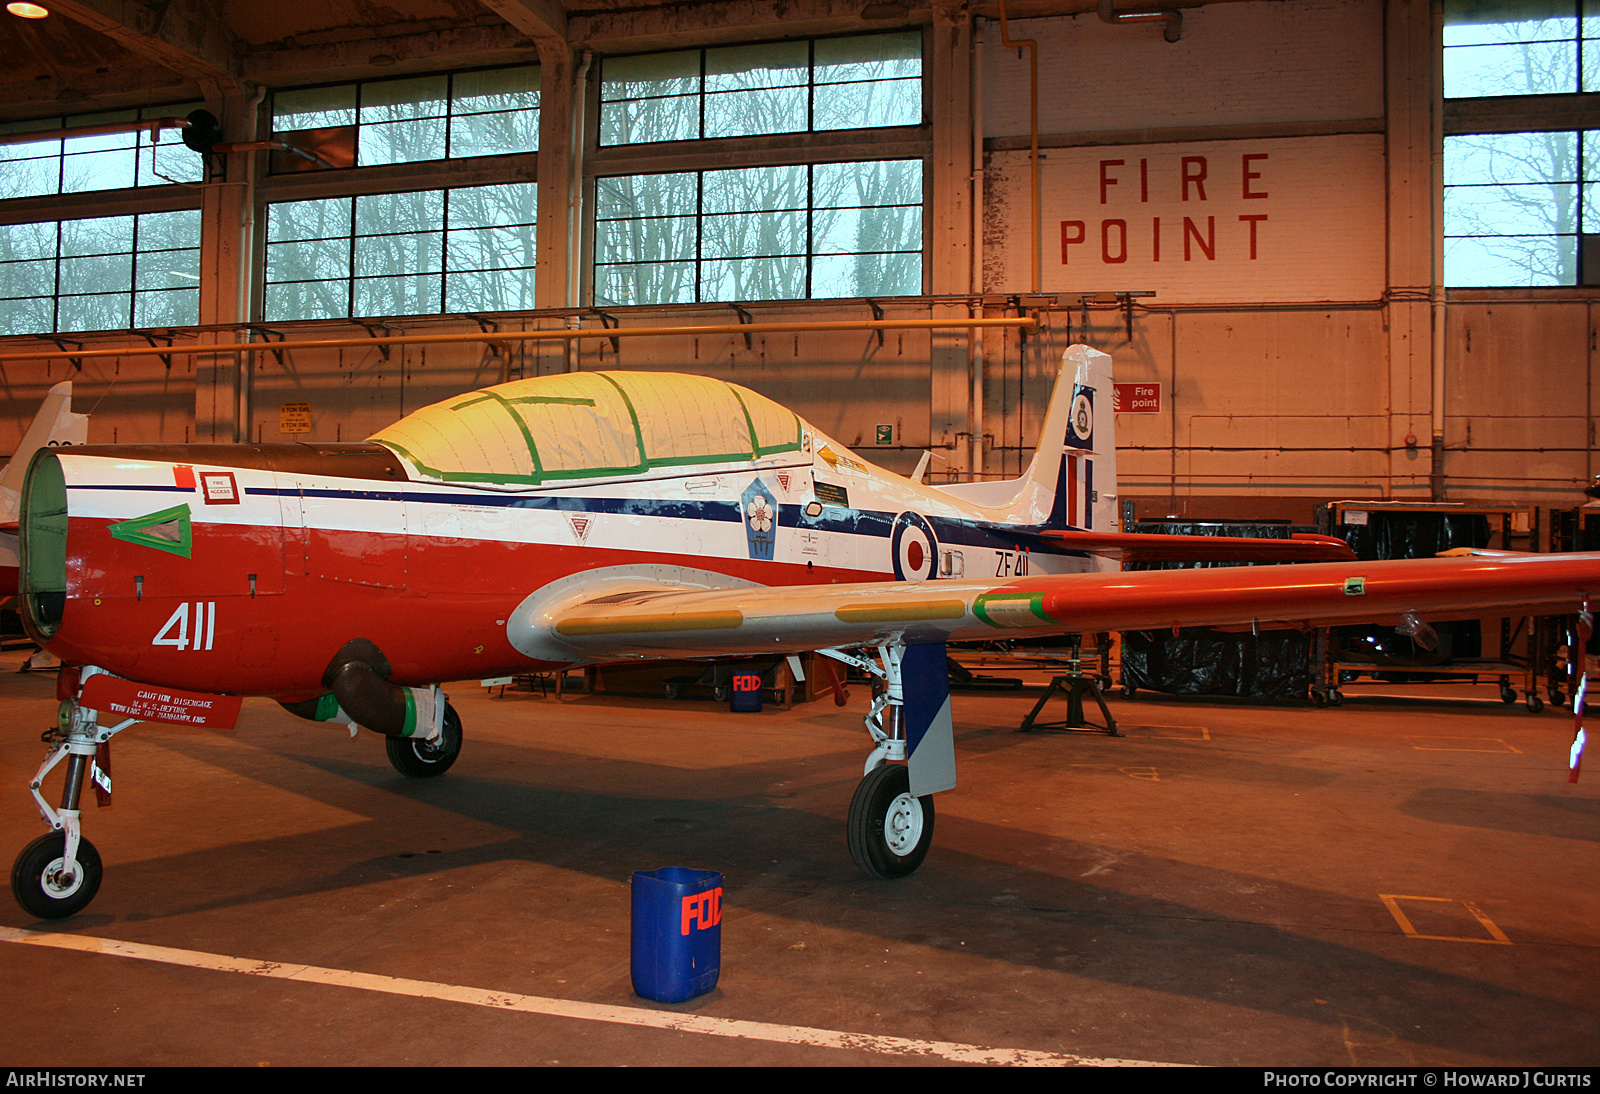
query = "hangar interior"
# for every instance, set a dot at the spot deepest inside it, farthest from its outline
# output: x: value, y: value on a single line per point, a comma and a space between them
x: 1340, y: 259
x: 1253, y: 216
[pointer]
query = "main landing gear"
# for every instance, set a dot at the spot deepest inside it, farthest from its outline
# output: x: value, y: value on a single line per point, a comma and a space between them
x: 889, y: 830
x: 421, y: 759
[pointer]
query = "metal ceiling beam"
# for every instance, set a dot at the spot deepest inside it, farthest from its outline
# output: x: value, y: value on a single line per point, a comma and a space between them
x: 466, y: 46
x: 667, y: 26
x: 187, y: 36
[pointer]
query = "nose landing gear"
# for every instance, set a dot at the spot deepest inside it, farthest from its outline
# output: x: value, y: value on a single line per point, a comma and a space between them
x: 58, y: 874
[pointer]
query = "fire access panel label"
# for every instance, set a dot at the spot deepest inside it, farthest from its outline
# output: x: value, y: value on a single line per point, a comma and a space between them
x: 126, y: 699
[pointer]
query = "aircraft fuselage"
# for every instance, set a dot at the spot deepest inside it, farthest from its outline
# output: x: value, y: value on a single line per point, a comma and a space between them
x: 244, y: 568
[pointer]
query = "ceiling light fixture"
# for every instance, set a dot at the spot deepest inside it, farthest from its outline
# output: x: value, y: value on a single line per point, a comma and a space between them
x: 27, y: 11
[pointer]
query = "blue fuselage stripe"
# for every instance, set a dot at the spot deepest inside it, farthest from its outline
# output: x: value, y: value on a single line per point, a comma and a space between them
x: 833, y: 519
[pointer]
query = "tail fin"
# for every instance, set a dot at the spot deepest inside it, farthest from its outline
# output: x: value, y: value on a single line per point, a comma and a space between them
x: 1072, y: 481
x: 55, y: 424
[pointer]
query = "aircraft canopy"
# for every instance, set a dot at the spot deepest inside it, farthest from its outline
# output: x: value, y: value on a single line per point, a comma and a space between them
x: 586, y: 425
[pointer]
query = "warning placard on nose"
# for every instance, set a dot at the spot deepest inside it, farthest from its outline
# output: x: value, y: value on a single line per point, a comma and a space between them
x: 121, y: 698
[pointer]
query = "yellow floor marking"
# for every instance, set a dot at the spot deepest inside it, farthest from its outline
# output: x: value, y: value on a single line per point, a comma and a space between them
x: 1476, y: 744
x: 1186, y: 735
x: 1392, y: 902
x: 1370, y: 1044
x: 1148, y: 774
x: 565, y: 1008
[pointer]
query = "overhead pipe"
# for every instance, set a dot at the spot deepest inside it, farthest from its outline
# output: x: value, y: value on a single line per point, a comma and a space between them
x: 154, y: 125
x: 975, y: 346
x: 1171, y: 17
x: 495, y: 337
x: 201, y: 133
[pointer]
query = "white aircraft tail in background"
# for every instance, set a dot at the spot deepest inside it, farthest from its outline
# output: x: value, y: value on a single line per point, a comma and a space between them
x: 53, y: 427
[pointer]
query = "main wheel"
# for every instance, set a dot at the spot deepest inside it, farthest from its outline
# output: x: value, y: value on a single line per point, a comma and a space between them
x: 890, y: 831
x: 424, y: 759
x: 43, y: 889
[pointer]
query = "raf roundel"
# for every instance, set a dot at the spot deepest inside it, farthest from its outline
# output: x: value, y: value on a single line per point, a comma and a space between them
x: 916, y: 551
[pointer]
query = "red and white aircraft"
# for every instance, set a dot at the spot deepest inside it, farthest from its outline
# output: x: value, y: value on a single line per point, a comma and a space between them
x: 608, y: 516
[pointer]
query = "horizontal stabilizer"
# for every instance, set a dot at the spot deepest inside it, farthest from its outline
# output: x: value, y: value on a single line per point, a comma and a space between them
x: 1136, y: 547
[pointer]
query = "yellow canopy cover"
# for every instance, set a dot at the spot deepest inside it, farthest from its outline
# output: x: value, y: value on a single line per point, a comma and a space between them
x: 586, y: 425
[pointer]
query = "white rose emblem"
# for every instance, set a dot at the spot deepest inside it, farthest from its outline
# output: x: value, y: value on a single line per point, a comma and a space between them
x: 760, y: 514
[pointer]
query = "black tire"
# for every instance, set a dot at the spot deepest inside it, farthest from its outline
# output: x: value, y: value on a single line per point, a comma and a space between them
x: 1508, y: 694
x: 36, y: 881
x: 1129, y: 690
x: 889, y: 830
x: 1535, y: 704
x: 421, y: 760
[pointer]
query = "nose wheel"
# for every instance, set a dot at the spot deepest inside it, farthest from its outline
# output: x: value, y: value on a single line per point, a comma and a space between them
x: 48, y: 887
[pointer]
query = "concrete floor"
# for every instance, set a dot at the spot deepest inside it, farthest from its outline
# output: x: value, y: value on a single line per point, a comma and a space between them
x: 1208, y: 889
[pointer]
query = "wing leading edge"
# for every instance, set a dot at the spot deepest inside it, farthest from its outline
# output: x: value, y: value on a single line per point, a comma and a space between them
x: 707, y: 623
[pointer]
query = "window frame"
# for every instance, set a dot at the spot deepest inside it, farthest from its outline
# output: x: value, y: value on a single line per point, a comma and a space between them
x: 140, y: 140
x: 352, y: 278
x: 599, y: 100
x: 284, y: 165
x: 807, y: 258
x: 1576, y: 112
x: 132, y: 294
x: 810, y: 148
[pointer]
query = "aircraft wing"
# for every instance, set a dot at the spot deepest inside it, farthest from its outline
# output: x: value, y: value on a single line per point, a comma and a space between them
x: 665, y: 622
x: 1139, y: 547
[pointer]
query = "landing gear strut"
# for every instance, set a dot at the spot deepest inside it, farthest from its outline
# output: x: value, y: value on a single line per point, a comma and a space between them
x: 58, y: 874
x: 889, y: 829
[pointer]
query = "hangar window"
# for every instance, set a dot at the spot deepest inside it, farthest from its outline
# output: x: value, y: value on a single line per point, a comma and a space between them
x: 1518, y: 206
x: 1521, y: 47
x: 1520, y: 172
x: 410, y: 120
x: 825, y: 84
x: 760, y: 233
x: 421, y: 252
x: 101, y: 273
x: 105, y: 161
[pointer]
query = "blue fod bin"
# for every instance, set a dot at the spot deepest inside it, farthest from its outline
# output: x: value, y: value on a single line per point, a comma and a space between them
x: 747, y: 692
x: 677, y: 933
